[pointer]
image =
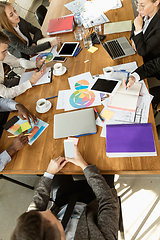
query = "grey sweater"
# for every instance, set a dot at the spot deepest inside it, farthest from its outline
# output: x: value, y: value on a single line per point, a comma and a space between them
x: 99, y: 219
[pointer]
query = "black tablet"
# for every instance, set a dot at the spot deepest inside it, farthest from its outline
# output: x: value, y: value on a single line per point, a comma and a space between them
x: 68, y: 48
x: 105, y: 85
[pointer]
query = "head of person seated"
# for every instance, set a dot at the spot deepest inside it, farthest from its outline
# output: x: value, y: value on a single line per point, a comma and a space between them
x: 147, y: 7
x: 38, y: 226
x: 9, y: 18
x: 4, y: 41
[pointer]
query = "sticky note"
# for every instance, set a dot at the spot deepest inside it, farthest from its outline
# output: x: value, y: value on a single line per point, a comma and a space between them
x: 107, y: 114
x: 25, y: 126
x: 92, y: 49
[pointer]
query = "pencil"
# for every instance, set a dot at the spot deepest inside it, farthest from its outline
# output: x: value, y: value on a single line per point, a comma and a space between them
x: 127, y: 79
x: 13, y: 136
x: 98, y: 115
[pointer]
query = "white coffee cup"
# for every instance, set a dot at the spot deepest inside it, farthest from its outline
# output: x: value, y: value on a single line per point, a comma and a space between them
x: 108, y: 71
x: 58, y: 68
x: 42, y: 104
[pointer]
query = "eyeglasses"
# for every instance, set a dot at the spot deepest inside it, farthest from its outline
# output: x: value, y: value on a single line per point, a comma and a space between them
x: 138, y: 5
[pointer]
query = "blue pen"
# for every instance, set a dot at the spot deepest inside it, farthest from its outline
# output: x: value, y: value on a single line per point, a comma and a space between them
x: 51, y: 97
x: 120, y: 71
x: 78, y: 52
x: 127, y: 79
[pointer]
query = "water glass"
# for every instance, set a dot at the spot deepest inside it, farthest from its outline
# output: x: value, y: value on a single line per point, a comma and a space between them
x: 78, y: 33
x: 87, y: 39
x: 77, y: 19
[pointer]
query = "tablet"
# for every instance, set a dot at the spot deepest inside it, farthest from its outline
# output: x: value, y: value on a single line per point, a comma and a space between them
x: 68, y: 48
x: 105, y: 85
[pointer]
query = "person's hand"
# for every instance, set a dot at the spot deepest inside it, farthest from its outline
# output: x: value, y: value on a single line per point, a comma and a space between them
x: 24, y: 113
x: 18, y: 143
x: 39, y: 63
x: 134, y: 46
x: 37, y: 75
x: 131, y: 81
x: 56, y: 165
x: 138, y: 23
x: 55, y: 41
x: 78, y: 159
x: 33, y: 44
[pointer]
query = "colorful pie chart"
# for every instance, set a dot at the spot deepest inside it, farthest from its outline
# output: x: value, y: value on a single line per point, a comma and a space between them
x: 47, y: 56
x: 82, y: 98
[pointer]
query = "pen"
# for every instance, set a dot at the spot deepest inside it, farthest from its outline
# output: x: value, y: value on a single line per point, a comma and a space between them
x: 98, y: 115
x: 41, y: 66
x: 51, y: 97
x: 76, y: 51
x: 26, y: 134
x: 120, y: 71
x: 127, y: 79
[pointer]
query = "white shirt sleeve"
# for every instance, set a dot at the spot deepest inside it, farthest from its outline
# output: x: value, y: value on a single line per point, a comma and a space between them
x: 48, y: 175
x: 4, y: 159
x: 19, y: 62
x: 136, y: 33
x: 7, y: 105
x: 14, y: 91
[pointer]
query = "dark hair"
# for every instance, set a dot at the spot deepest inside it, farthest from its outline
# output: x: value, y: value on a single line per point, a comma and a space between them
x: 4, y: 38
x: 32, y: 226
x: 4, y: 21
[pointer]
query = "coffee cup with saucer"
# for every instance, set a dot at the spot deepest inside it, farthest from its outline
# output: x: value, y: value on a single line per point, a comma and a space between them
x: 43, y: 105
x: 108, y: 71
x: 59, y: 69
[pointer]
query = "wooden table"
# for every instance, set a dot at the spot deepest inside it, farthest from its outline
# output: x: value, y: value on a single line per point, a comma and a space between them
x: 34, y: 159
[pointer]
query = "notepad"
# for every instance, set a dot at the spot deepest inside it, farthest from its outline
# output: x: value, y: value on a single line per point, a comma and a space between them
x: 130, y: 140
x: 117, y: 27
x: 76, y: 123
x: 46, y: 78
x: 125, y: 99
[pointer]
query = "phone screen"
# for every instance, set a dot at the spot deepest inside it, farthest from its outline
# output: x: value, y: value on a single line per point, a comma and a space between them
x: 60, y: 59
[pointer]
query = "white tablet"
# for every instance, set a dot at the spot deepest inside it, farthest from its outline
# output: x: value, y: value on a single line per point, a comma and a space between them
x: 68, y: 48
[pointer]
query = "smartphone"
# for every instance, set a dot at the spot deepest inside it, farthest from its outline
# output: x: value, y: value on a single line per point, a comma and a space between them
x: 59, y: 59
x: 69, y: 148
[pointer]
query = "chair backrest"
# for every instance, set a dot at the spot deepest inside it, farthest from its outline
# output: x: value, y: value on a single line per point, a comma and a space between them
x: 41, y: 13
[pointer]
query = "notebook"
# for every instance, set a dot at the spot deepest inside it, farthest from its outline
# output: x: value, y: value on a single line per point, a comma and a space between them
x: 76, y: 123
x: 61, y: 25
x: 46, y: 78
x: 125, y: 99
x: 130, y: 140
x: 117, y: 27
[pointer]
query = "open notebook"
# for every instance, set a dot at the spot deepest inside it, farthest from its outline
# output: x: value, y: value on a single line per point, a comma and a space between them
x: 125, y: 99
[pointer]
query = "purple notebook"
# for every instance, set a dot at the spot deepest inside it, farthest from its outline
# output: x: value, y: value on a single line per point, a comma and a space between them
x: 130, y: 138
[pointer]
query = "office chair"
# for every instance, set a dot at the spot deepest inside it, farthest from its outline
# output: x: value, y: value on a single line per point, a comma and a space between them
x: 41, y: 13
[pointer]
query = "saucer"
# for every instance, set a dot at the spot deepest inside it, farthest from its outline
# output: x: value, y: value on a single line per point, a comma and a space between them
x: 49, y: 105
x: 64, y: 69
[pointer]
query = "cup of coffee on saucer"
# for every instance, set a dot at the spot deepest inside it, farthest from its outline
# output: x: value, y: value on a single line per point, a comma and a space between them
x: 59, y: 69
x: 108, y: 71
x: 43, y: 105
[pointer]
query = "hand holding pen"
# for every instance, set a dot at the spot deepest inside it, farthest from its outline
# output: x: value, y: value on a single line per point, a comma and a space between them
x: 131, y: 81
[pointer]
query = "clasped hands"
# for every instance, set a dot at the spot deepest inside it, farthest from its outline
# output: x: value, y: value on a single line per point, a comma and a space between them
x: 57, y: 164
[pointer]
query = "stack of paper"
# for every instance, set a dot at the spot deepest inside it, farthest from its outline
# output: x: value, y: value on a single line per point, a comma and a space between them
x: 130, y: 140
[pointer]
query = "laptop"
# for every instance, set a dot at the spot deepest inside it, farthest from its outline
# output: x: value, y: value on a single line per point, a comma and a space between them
x: 76, y: 123
x: 117, y: 48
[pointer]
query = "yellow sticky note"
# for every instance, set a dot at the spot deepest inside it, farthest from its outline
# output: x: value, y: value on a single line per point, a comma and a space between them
x: 107, y: 114
x: 92, y: 49
x: 25, y: 126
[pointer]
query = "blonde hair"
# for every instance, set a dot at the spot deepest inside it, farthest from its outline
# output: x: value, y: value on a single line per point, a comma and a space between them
x: 5, y: 24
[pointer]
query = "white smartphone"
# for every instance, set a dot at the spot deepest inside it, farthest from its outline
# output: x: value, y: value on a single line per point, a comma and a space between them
x: 69, y: 148
x: 59, y: 59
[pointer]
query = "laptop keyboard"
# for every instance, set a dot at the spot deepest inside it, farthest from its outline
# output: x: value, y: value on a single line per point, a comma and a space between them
x: 114, y: 49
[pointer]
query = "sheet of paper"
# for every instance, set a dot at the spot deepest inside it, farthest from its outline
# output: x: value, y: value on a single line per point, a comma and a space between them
x: 35, y: 130
x: 80, y: 81
x: 61, y: 99
x: 46, y: 78
x: 76, y: 6
x: 117, y: 27
x: 82, y: 98
x: 104, y: 5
